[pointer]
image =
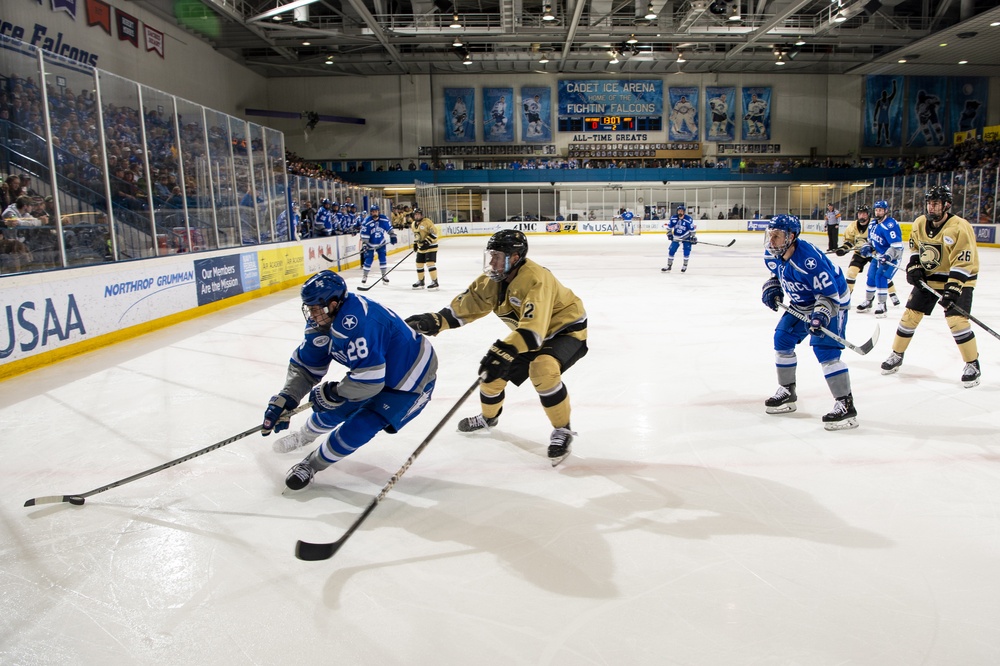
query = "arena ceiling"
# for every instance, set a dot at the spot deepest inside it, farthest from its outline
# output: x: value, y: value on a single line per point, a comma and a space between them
x: 350, y: 38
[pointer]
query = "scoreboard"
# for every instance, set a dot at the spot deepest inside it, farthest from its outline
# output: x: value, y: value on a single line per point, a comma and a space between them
x: 608, y: 123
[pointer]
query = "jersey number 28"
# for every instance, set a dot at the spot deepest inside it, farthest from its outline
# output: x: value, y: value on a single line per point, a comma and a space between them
x: 357, y: 349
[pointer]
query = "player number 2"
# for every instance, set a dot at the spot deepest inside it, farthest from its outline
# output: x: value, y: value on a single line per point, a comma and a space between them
x: 357, y: 349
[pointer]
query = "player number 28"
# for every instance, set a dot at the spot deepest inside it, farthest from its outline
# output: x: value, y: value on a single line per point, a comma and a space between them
x: 357, y: 349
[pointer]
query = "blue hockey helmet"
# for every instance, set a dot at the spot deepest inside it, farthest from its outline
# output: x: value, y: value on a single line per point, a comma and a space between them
x: 335, y: 203
x: 786, y: 223
x: 374, y: 206
x: 322, y: 295
x: 324, y: 202
x: 884, y: 205
x: 682, y: 207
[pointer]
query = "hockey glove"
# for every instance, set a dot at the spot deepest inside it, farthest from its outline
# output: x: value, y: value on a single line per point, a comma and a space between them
x: 915, y: 273
x: 496, y: 364
x: 818, y: 320
x: 691, y: 239
x: 428, y: 323
x: 415, y: 246
x: 324, y: 397
x: 365, y: 248
x: 670, y: 236
x: 393, y: 239
x: 865, y: 251
x: 424, y: 245
x: 948, y: 297
x: 841, y: 251
x: 772, y: 294
x: 278, y: 413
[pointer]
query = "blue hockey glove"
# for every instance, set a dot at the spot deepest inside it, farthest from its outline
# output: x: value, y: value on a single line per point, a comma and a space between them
x: 865, y: 251
x: 772, y: 293
x: 278, y: 413
x: 915, y: 273
x: 324, y: 397
x: 496, y: 364
x: 950, y: 294
x: 819, y: 319
x: 670, y: 236
x: 428, y: 323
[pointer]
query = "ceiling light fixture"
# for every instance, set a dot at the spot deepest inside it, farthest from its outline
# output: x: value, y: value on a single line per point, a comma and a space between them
x: 800, y: 42
x: 457, y: 43
x: 680, y: 56
x: 963, y: 62
x: 734, y: 12
x: 901, y: 61
x: 455, y: 23
x: 614, y: 57
x: 779, y: 61
x: 544, y: 59
x: 840, y: 17
x: 994, y: 24
x: 277, y: 18
x: 547, y: 14
x: 307, y: 43
x: 650, y: 13
x: 467, y: 60
x: 631, y: 39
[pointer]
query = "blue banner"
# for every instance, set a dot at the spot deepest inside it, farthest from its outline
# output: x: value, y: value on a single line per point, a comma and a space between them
x: 612, y: 97
x: 883, y: 116
x: 536, y: 108
x: 720, y: 110
x: 683, y: 114
x: 218, y: 278
x: 968, y: 98
x: 498, y: 115
x: 925, y: 104
x: 460, y: 114
x: 756, y: 114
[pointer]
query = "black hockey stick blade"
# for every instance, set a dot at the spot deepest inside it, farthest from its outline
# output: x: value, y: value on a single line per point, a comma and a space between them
x: 80, y: 498
x: 313, y: 552
x: 729, y: 244
x: 329, y: 259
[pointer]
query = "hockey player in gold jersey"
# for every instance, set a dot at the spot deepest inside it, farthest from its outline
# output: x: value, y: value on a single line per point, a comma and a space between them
x: 856, y: 238
x: 946, y: 258
x: 425, y: 244
x: 548, y: 334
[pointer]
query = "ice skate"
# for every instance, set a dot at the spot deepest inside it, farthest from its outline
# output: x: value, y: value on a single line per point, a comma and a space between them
x: 843, y: 416
x: 670, y: 264
x: 477, y: 422
x: 894, y: 298
x: 971, y: 374
x: 384, y: 278
x: 865, y: 306
x: 364, y: 277
x: 684, y: 267
x: 433, y: 285
x: 300, y: 475
x: 559, y: 444
x: 891, y: 364
x: 418, y: 285
x: 783, y: 400
x: 290, y: 442
x: 880, y: 310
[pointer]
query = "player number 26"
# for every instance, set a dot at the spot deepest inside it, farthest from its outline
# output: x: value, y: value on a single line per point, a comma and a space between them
x: 357, y: 349
x: 821, y: 281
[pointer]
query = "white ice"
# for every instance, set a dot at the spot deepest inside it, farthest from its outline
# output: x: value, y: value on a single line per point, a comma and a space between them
x: 688, y: 526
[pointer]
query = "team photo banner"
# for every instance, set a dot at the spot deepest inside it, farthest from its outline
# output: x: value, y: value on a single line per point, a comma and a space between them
x: 612, y: 97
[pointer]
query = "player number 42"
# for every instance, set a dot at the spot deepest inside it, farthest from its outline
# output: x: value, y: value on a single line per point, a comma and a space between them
x: 821, y: 281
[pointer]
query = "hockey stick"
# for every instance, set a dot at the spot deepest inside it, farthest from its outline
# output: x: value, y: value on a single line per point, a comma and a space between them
x: 312, y: 552
x: 701, y: 242
x: 79, y: 499
x: 960, y: 311
x: 862, y: 349
x: 366, y: 287
x: 334, y: 261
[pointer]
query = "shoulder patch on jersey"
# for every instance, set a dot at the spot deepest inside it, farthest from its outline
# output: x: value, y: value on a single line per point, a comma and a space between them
x: 948, y: 240
x: 810, y: 263
x: 321, y: 341
x: 771, y: 265
x: 349, y: 322
x: 515, y: 301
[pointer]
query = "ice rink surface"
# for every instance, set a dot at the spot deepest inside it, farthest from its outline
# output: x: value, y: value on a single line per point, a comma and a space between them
x: 688, y: 526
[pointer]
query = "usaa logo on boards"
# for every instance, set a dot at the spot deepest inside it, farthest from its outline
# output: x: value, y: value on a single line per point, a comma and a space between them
x: 34, y: 328
x: 598, y: 226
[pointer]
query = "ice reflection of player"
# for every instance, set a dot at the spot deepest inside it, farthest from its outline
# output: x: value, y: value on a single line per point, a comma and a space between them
x: 967, y: 120
x: 930, y: 122
x: 533, y: 115
x: 880, y: 116
x: 499, y: 116
x: 720, y: 116
x: 756, y: 109
x: 682, y: 119
x: 459, y: 114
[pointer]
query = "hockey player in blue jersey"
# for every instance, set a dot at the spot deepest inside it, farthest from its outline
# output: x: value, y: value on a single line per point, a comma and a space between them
x: 281, y: 231
x: 885, y: 244
x: 627, y: 218
x: 816, y: 288
x: 681, y: 230
x: 376, y: 233
x: 391, y: 371
x: 323, y: 223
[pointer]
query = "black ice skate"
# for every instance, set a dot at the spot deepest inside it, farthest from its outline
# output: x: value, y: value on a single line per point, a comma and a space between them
x: 433, y: 285
x: 477, y: 422
x: 894, y: 298
x: 559, y: 444
x: 300, y: 476
x: 843, y: 416
x: 971, y: 374
x: 670, y: 264
x: 384, y: 278
x: 891, y: 364
x: 783, y: 400
x: 880, y: 310
x: 418, y: 285
x: 865, y: 306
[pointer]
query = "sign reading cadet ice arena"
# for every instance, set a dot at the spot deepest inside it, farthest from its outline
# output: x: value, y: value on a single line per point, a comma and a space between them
x: 610, y: 97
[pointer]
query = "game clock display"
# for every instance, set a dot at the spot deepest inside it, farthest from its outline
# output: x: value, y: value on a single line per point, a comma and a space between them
x: 608, y: 123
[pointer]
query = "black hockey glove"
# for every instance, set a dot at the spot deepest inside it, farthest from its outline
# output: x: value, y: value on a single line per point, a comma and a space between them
x: 278, y: 413
x: 428, y: 323
x: 915, y: 273
x: 416, y: 246
x: 772, y: 294
x: 496, y: 364
x: 324, y: 397
x: 424, y: 245
x: 842, y: 250
x: 948, y: 297
x: 818, y: 320
x: 393, y: 239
